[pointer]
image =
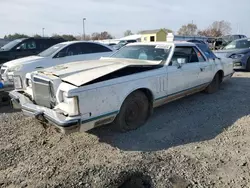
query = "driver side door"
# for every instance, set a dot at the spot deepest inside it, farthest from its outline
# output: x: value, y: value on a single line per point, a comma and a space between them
x: 26, y: 48
x: 185, y: 77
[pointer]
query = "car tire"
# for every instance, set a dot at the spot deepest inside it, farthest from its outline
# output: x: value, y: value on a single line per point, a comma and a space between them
x: 133, y: 113
x: 248, y: 65
x: 214, y: 85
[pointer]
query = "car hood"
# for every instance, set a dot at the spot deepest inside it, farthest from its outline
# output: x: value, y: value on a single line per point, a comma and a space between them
x: 228, y: 53
x: 22, y: 61
x: 79, y: 73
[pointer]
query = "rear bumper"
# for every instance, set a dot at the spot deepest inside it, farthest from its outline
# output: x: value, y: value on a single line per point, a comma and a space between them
x: 46, y: 115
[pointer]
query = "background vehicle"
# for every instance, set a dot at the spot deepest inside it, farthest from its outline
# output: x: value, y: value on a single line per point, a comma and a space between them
x: 26, y: 47
x: 123, y: 43
x: 58, y: 54
x: 239, y: 51
x: 225, y: 40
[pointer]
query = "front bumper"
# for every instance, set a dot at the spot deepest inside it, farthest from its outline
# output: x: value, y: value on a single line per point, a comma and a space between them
x: 7, y: 81
x: 43, y: 114
x: 238, y: 65
x: 6, y: 87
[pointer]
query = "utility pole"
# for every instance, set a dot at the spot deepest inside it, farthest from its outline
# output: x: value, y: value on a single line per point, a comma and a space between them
x: 43, y: 31
x: 83, y: 29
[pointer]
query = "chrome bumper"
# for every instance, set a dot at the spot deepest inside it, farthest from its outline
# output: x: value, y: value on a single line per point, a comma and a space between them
x: 6, y: 88
x: 43, y: 114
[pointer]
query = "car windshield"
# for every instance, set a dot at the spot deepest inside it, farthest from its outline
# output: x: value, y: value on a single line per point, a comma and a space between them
x: 11, y: 44
x: 52, y: 50
x: 143, y: 52
x: 238, y: 44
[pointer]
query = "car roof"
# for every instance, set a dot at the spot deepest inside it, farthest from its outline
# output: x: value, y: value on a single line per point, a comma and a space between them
x: 243, y: 39
x: 176, y: 43
x: 75, y: 42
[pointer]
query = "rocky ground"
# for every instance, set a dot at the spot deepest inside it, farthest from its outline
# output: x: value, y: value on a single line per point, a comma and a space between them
x: 199, y: 141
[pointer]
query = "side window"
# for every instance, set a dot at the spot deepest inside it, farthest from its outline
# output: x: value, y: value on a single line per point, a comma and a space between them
x: 27, y: 45
x: 73, y: 49
x: 187, y: 54
x: 199, y: 55
x: 94, y: 48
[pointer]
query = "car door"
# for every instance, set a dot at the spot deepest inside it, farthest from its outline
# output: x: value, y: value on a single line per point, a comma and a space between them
x: 206, y: 66
x: 26, y: 48
x: 185, y: 76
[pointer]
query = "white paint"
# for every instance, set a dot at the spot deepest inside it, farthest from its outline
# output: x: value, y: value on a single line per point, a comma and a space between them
x: 28, y: 64
x: 107, y: 97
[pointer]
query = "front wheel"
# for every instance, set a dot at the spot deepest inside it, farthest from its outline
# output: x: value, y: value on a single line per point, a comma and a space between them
x: 214, y: 85
x: 133, y: 113
x: 248, y: 65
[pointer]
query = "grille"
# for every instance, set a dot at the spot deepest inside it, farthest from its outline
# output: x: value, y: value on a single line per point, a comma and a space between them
x: 43, y: 92
x: 2, y: 71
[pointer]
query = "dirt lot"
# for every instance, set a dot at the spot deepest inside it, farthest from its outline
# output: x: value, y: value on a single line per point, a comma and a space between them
x: 200, y: 141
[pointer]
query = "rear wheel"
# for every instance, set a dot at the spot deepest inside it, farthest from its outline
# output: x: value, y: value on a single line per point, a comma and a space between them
x: 214, y: 85
x: 248, y: 65
x: 134, y: 112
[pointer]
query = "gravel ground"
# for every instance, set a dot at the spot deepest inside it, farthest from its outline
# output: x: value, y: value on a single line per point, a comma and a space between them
x: 199, y: 141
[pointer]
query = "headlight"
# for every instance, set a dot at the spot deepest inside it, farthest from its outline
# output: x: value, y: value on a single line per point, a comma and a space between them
x: 15, y: 68
x: 10, y: 76
x: 72, y: 104
x: 17, y: 82
x: 237, y: 56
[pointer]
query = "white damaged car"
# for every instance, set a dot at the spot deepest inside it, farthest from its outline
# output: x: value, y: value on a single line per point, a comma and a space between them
x: 123, y: 89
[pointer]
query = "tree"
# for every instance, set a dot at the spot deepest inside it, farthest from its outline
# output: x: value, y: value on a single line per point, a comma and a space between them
x: 101, y: 36
x: 68, y: 37
x: 95, y: 36
x: 56, y: 36
x: 189, y: 29
x: 216, y: 29
x: 105, y: 35
x: 15, y: 36
x: 37, y: 36
x: 127, y: 33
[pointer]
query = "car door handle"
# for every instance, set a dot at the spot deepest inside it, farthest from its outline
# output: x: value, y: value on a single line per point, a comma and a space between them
x: 203, y: 68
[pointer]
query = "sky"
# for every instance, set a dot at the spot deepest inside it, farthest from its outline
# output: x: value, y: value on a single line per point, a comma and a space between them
x: 117, y: 16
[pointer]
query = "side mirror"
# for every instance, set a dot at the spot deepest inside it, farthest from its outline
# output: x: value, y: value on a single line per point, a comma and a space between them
x: 181, y: 62
x: 61, y: 54
x: 18, y: 48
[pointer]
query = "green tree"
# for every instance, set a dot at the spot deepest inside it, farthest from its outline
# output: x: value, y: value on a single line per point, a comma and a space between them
x: 15, y: 36
x: 68, y: 37
x: 37, y: 36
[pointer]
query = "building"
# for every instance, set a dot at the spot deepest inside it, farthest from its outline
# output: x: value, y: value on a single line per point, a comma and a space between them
x: 153, y: 35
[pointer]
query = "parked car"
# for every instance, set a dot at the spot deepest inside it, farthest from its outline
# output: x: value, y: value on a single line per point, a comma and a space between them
x: 221, y: 42
x: 26, y: 47
x: 239, y: 52
x: 58, y: 54
x: 122, y: 89
x: 123, y: 43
